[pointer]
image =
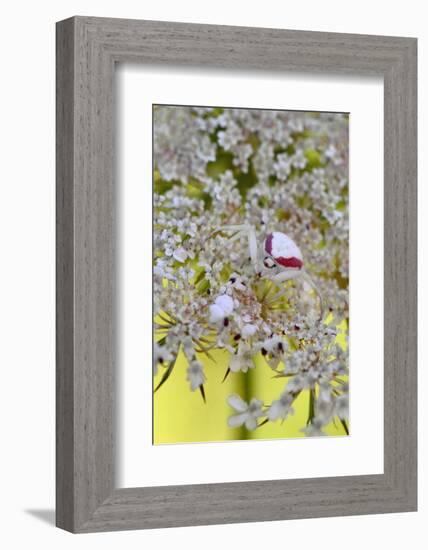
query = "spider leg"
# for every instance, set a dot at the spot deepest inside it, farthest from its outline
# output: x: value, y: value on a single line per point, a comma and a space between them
x: 281, y: 277
x: 295, y: 274
x: 306, y: 277
x: 285, y: 275
x: 250, y: 233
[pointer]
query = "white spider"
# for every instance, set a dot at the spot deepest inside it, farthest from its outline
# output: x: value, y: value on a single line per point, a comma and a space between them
x: 279, y: 259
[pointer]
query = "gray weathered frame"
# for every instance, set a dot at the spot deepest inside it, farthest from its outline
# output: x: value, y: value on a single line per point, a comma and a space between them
x: 87, y: 50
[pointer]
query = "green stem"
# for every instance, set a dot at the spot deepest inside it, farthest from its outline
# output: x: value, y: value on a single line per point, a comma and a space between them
x: 345, y: 426
x: 311, y: 406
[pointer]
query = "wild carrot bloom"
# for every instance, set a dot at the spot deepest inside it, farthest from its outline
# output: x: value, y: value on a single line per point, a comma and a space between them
x: 284, y: 175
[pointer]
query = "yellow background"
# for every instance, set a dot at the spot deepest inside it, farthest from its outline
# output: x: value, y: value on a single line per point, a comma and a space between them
x: 180, y: 415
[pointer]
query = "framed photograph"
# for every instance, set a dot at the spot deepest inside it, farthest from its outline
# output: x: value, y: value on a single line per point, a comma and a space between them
x: 236, y: 274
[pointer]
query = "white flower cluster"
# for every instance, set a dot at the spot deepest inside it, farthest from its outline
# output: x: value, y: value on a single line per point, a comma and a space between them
x: 277, y: 171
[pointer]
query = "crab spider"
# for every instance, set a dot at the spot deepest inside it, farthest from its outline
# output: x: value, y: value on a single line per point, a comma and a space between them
x: 279, y: 253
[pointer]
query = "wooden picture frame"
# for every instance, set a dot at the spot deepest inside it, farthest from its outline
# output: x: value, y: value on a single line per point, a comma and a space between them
x: 87, y: 50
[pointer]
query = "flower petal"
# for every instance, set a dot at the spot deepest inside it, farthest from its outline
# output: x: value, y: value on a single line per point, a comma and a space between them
x: 237, y: 403
x: 180, y: 255
x: 225, y: 302
x: 216, y: 314
x: 248, y: 330
x: 251, y: 423
x: 276, y: 411
x: 235, y: 363
x: 236, y: 420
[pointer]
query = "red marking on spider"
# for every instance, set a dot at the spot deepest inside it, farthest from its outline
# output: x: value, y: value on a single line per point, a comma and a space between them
x: 268, y: 243
x: 292, y: 261
x: 289, y: 262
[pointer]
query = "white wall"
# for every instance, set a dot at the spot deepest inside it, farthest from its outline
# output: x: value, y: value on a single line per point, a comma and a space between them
x: 27, y: 270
